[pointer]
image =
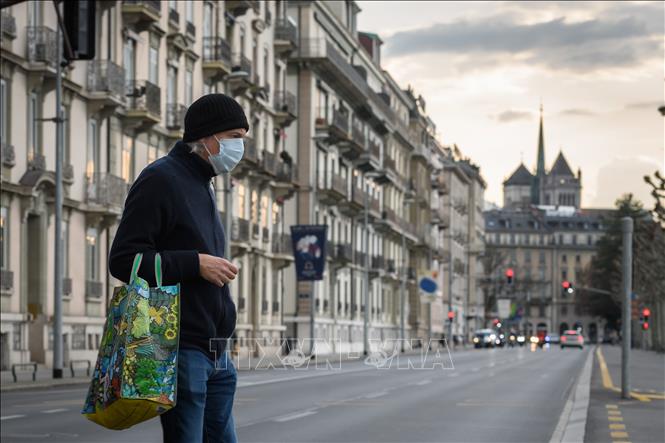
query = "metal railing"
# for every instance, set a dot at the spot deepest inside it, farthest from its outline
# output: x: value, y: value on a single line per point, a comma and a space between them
x: 377, y: 262
x: 216, y: 49
x: 154, y: 4
x: 106, y: 76
x: 190, y: 29
x: 358, y: 196
x: 250, y: 150
x: 8, y: 154
x: 242, y: 63
x: 285, y: 101
x: 281, y: 244
x: 375, y: 204
x: 42, y: 45
x: 389, y: 163
x: 144, y: 96
x: 106, y: 189
x: 6, y: 279
x: 174, y: 16
x: 375, y: 149
x: 175, y: 116
x: 93, y: 289
x: 340, y: 121
x: 285, y: 30
x: 285, y: 172
x: 269, y: 162
x: 337, y: 183
x: 240, y: 230
x: 8, y: 25
x: 358, y: 132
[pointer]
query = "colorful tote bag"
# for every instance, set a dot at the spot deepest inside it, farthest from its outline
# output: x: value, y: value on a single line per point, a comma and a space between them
x: 135, y: 378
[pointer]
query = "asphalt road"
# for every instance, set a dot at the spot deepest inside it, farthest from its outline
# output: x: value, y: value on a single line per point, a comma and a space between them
x: 500, y: 395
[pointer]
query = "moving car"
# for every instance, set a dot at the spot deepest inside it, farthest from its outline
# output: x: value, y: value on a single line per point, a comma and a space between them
x: 484, y: 338
x: 572, y: 339
x: 555, y: 339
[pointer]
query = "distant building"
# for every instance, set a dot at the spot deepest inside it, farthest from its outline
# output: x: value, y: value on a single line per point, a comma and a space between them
x: 547, y: 238
x: 559, y: 186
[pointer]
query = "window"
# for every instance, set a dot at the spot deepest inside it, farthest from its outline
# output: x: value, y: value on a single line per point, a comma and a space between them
x: 189, y: 11
x: 129, y: 60
x: 564, y: 259
x: 4, y: 125
x: 92, y: 254
x: 34, y: 147
x: 171, y: 84
x: 153, y: 60
x: 264, y: 211
x: 541, y: 310
x: 564, y: 274
x: 527, y: 256
x: 34, y: 13
x: 255, y: 208
x: 127, y: 159
x: 275, y: 215
x: 189, y: 88
x: 208, y: 15
x: 577, y: 259
x: 322, y: 104
x: 241, y: 201
x: 4, y: 237
x: 574, y: 239
x: 152, y: 153
x: 78, y: 337
x: 92, y: 161
x: 266, y: 57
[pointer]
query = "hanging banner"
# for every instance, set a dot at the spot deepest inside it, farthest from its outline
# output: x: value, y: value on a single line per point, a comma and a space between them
x: 309, y: 251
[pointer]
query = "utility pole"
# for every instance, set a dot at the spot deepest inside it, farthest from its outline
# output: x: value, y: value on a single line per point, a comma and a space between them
x: 627, y: 268
x: 59, y: 257
x: 402, y: 292
x: 366, y: 279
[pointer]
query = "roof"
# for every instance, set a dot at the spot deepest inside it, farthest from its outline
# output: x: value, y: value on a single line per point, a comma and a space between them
x: 561, y: 167
x: 521, y: 177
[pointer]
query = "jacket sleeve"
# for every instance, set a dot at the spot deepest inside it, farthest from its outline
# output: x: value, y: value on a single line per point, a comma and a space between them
x: 149, y: 215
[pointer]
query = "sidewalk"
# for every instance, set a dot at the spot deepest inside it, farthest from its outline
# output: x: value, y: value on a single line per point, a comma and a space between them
x: 638, y: 419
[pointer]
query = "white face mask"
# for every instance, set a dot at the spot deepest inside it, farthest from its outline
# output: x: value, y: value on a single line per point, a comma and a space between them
x: 231, y: 151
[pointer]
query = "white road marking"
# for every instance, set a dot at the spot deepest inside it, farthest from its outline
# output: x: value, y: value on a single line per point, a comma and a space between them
x: 9, y: 417
x: 245, y: 384
x: 423, y: 382
x: 294, y: 416
x: 53, y: 411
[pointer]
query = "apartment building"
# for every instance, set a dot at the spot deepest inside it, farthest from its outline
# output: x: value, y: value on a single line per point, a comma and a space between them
x: 123, y: 110
x: 333, y: 139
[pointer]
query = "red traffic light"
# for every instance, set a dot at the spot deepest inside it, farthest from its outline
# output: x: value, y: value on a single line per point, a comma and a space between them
x: 646, y: 312
x: 451, y: 315
x: 510, y: 273
x: 565, y: 284
x: 645, y: 326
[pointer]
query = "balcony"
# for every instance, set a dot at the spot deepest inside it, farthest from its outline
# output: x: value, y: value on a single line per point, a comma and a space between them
x: 93, y: 289
x: 216, y: 57
x: 190, y: 31
x: 375, y: 206
x: 106, y: 190
x: 275, y: 306
x: 286, y: 36
x: 341, y: 254
x: 140, y: 14
x: 376, y: 264
x: 285, y: 108
x: 390, y: 266
x: 242, y: 79
x: 265, y: 235
x: 6, y: 280
x: 333, y: 130
x: 439, y: 183
x: 8, y: 155
x: 240, y: 63
x: 239, y: 7
x: 8, y: 26
x: 144, y: 105
x: 175, y: 118
x: 333, y: 191
x: 241, y: 303
x: 334, y: 69
x: 106, y: 86
x: 269, y: 163
x: 249, y: 161
x: 369, y: 160
x: 42, y: 45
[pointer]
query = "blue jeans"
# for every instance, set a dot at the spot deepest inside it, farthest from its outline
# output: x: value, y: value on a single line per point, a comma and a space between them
x: 204, y: 400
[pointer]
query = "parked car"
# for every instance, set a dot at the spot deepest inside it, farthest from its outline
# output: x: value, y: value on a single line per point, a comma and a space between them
x: 572, y: 339
x: 484, y: 338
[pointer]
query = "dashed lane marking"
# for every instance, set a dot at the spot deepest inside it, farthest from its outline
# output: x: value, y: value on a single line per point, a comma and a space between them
x: 53, y: 411
x: 10, y: 417
x: 619, y: 434
x: 294, y: 416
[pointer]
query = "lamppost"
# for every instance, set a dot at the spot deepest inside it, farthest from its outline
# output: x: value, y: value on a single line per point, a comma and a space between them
x: 402, y: 296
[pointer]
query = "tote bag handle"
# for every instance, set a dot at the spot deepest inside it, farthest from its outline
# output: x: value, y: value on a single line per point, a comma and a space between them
x: 137, y: 264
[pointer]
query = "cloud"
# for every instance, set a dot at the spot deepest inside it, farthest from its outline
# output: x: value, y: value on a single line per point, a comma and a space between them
x: 511, y: 116
x: 577, y: 112
x: 556, y: 44
x: 645, y: 105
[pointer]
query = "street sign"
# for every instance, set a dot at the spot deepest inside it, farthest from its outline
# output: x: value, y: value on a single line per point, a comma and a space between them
x: 427, y: 285
x: 503, y: 305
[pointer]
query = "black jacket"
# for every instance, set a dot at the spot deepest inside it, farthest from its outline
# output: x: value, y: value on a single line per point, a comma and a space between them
x: 171, y: 209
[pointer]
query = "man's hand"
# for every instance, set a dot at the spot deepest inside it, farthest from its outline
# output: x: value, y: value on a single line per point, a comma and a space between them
x: 216, y: 270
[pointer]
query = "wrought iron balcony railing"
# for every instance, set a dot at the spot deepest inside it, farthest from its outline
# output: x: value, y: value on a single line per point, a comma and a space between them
x: 285, y: 101
x: 106, y: 189
x: 242, y: 63
x: 216, y: 49
x: 144, y: 96
x: 106, y: 76
x: 42, y: 45
x: 285, y: 30
x: 8, y: 155
x: 8, y: 25
x: 93, y: 289
x: 175, y: 116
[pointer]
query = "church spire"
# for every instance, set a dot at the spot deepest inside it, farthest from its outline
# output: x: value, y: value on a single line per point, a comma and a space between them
x: 540, y: 169
x: 539, y: 177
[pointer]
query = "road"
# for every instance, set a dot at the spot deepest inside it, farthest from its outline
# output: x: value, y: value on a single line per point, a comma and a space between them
x: 499, y: 395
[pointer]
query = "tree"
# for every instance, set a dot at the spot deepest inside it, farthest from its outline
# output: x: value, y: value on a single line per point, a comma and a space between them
x: 604, y: 271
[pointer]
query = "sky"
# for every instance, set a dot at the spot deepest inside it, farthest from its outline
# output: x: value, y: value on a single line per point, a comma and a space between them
x: 484, y: 68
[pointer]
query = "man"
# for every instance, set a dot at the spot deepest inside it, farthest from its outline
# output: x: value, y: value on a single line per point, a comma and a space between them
x: 171, y: 209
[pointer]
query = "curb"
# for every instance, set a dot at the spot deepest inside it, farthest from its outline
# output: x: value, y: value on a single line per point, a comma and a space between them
x: 572, y: 423
x: 45, y: 384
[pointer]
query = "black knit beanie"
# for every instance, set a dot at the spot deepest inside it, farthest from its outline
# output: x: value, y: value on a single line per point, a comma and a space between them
x: 211, y: 114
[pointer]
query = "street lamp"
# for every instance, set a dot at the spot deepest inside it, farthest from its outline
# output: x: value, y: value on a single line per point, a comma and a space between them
x: 402, y: 296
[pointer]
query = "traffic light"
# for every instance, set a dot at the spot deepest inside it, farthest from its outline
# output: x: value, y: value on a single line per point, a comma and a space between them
x: 451, y: 315
x: 567, y: 287
x: 509, y: 275
x: 79, y: 21
x: 646, y: 312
